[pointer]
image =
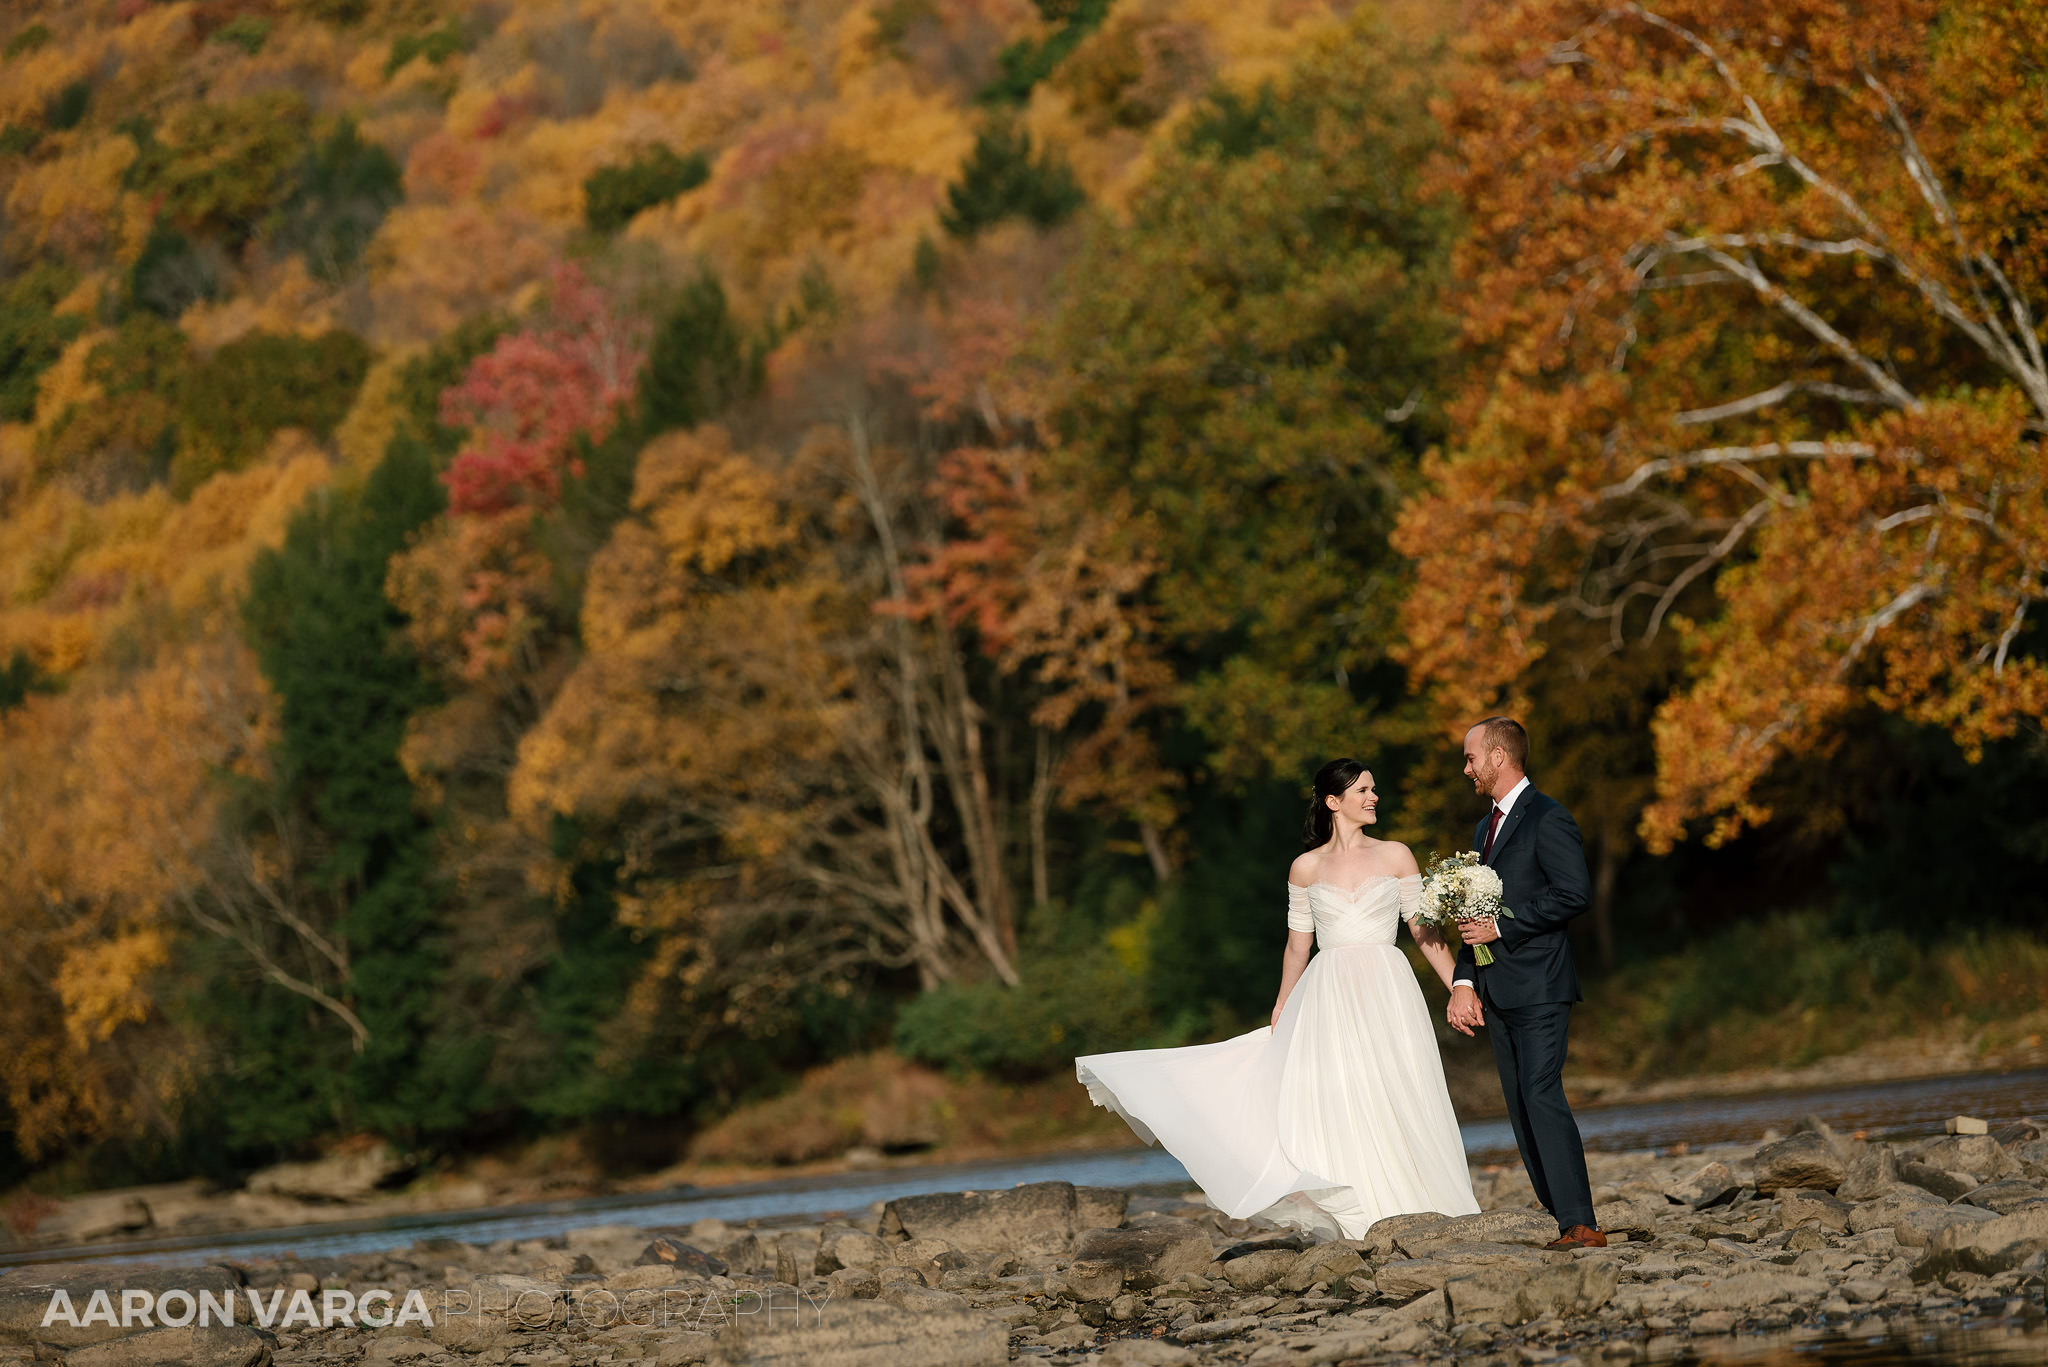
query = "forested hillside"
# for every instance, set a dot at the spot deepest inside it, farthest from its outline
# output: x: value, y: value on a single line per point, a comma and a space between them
x: 562, y: 561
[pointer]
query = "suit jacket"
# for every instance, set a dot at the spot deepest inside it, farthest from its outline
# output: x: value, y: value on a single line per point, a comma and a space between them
x: 1542, y: 866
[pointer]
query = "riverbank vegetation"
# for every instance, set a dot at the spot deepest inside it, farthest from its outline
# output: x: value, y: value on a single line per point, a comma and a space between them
x: 560, y: 567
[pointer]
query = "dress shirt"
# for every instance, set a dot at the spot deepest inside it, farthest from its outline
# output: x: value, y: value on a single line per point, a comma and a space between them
x: 1506, y: 804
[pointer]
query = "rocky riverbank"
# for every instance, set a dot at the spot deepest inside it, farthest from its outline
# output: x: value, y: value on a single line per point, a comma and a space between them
x: 1807, y: 1235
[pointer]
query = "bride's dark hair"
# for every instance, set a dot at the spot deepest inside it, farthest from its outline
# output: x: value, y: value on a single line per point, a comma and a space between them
x: 1332, y: 780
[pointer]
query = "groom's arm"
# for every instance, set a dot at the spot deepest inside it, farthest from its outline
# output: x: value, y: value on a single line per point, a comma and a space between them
x: 1561, y: 855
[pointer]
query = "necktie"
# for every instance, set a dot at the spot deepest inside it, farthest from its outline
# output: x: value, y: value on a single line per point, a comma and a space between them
x: 1492, y: 825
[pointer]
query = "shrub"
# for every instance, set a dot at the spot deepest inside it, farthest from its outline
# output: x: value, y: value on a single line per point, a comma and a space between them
x: 436, y: 45
x: 612, y: 195
x: 171, y: 273
x: 67, y: 110
x: 245, y: 31
x: 237, y: 398
x: 342, y: 190
x: 224, y: 167
x: 31, y: 336
x: 28, y: 40
x: 1002, y: 179
x: 1068, y: 1004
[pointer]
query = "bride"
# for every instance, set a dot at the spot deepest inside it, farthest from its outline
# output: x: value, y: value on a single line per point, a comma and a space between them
x: 1335, y: 1115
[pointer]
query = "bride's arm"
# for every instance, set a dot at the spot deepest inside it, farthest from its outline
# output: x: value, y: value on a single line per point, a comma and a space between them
x: 1441, y: 956
x: 1293, y: 960
x: 1301, y: 930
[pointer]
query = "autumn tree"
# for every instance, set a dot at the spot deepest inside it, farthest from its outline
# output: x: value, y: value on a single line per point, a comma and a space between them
x: 1250, y: 390
x: 1754, y: 314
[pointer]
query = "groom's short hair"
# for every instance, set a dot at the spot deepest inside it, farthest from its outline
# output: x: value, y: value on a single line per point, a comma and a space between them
x: 1508, y: 734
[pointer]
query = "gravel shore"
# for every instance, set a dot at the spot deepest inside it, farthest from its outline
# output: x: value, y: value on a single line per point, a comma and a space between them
x: 1810, y: 1235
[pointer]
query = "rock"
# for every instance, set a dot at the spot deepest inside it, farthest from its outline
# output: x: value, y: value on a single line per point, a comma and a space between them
x: 1430, y: 1309
x: 1918, y: 1228
x: 1886, y: 1211
x: 1629, y: 1218
x: 1752, y: 1289
x: 1094, y: 1279
x: 1945, y: 1183
x: 1710, y: 1186
x: 339, y: 1177
x: 1144, y: 1353
x: 1036, y: 1219
x: 101, y: 1215
x: 682, y: 1257
x: 854, y: 1284
x: 1405, y: 1277
x: 791, y: 1333
x: 1515, y: 1296
x: 214, y: 1345
x: 1800, y: 1205
x: 2007, y: 1195
x: 2013, y: 1135
x: 1472, y: 1253
x: 1068, y: 1336
x: 745, y: 1254
x: 1965, y: 1124
x: 1798, y: 1160
x: 1497, y: 1227
x: 642, y: 1277
x: 1713, y: 1322
x: 1981, y: 1156
x: 2032, y: 1157
x: 1870, y: 1173
x: 27, y: 1294
x: 1382, y: 1238
x: 1256, y: 1271
x: 1987, y: 1247
x: 932, y: 1258
x: 1328, y: 1263
x: 1149, y: 1257
x: 1127, y: 1307
x: 1813, y: 1124
x: 394, y: 1348
x: 1862, y: 1290
x: 1100, y: 1207
x: 924, y: 1300
x: 851, y: 1250
x: 1211, y: 1330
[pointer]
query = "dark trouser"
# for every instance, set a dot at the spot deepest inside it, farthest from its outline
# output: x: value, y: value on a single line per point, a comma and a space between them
x: 1528, y: 1048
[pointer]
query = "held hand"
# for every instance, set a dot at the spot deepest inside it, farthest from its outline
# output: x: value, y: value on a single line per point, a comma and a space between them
x: 1479, y: 932
x: 1464, y: 1012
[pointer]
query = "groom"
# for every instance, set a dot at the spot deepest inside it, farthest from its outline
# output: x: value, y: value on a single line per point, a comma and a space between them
x: 1531, y: 841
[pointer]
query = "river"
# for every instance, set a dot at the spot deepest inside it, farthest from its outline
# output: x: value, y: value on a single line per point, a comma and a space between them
x: 1880, y: 1110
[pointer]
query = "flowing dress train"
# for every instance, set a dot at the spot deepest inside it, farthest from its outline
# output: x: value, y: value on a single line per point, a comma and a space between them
x: 1333, y: 1118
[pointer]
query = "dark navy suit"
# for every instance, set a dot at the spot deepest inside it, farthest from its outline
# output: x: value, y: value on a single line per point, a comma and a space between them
x: 1528, y: 991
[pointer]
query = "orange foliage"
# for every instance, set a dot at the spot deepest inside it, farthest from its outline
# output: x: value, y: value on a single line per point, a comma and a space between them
x: 1754, y: 292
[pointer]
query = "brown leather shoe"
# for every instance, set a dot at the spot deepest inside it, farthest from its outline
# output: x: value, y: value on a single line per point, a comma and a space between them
x: 1578, y: 1236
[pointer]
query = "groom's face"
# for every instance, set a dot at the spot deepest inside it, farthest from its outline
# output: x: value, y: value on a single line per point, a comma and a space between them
x: 1482, y: 765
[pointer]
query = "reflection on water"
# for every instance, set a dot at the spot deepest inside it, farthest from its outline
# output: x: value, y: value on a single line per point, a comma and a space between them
x: 1991, y: 1344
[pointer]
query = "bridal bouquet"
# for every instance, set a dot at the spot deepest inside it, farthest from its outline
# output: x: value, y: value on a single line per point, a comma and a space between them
x: 1457, y: 887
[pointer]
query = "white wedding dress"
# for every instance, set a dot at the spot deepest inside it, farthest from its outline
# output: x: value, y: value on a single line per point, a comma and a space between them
x: 1330, y: 1120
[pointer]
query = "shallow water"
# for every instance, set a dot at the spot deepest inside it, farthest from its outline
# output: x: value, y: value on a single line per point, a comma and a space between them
x: 1909, y: 1107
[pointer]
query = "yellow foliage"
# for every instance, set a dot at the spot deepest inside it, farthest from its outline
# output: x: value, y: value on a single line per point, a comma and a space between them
x: 373, y: 419
x: 433, y: 267
x: 206, y: 546
x: 68, y: 381
x: 68, y: 203
x: 104, y: 984
x: 33, y: 79
x: 286, y: 301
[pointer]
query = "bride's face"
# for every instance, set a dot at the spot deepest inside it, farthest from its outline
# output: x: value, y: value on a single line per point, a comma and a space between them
x: 1358, y: 802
